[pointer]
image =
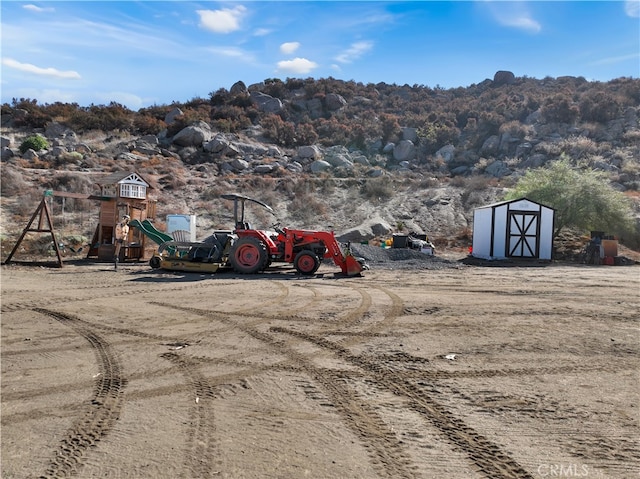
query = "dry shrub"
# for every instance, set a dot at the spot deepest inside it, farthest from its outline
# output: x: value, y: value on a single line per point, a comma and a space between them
x: 70, y: 182
x: 377, y: 188
x: 26, y: 204
x: 69, y: 158
x: 306, y: 208
x: 13, y: 183
x: 214, y: 192
x: 458, y: 181
x: 37, y: 163
x: 172, y: 181
x: 516, y: 129
x: 479, y: 183
x: 578, y: 146
x: 631, y: 137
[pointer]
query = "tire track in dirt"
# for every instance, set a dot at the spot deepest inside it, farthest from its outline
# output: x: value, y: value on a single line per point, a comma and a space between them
x: 200, y: 442
x: 98, y: 292
x: 405, y: 364
x: 388, y: 455
x: 102, y: 412
x: 396, y: 310
x: 200, y: 446
x: 485, y: 454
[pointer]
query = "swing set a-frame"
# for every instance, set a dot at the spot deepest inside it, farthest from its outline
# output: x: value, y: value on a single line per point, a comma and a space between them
x: 44, y: 223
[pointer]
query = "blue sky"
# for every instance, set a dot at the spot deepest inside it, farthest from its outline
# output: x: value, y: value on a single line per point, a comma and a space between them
x: 144, y: 53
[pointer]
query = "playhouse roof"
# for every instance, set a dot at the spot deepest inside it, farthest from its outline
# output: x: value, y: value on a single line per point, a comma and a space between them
x: 123, y: 177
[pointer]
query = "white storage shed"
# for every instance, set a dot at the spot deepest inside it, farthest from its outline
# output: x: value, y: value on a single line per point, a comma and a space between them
x: 519, y: 228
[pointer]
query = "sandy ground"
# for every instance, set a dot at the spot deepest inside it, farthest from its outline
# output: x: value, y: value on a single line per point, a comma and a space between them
x: 463, y: 372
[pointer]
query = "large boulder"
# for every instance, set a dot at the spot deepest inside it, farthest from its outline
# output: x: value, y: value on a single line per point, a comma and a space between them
x: 356, y: 235
x: 294, y: 167
x: 446, y: 153
x: 170, y: 117
x: 57, y: 151
x: 55, y: 130
x: 410, y: 133
x: 534, y: 161
x: 319, y: 166
x: 334, y: 101
x: 491, y: 146
x: 375, y: 173
x: 193, y: 135
x: 266, y: 103
x: 503, y: 77
x: 359, y: 158
x: 239, y: 88
x: 404, y: 151
x: 217, y: 144
x: 265, y: 168
x: 369, y: 229
x: 7, y: 153
x: 239, y: 165
x: 30, y: 155
x: 309, y: 152
x: 498, y: 169
x: 314, y: 107
x: 338, y: 157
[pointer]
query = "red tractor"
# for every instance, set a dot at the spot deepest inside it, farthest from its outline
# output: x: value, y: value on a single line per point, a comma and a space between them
x: 254, y: 250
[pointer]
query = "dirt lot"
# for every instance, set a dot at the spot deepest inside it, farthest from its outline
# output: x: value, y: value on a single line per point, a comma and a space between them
x: 456, y: 372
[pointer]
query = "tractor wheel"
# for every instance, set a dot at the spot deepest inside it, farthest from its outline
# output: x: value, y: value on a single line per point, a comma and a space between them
x: 248, y: 255
x: 154, y: 262
x: 306, y: 262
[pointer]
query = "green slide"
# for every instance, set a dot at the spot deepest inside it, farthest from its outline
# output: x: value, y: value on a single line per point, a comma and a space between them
x: 148, y: 229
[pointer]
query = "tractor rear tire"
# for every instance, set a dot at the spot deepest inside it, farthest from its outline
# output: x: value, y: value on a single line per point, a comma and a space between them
x: 306, y: 262
x: 248, y: 255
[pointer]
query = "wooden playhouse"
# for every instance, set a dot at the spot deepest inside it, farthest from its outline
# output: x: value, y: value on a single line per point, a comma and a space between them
x: 123, y: 193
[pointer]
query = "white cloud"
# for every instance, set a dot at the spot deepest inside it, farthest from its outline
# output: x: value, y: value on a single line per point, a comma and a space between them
x: 231, y: 52
x: 131, y: 101
x: 226, y: 20
x: 37, y: 9
x: 50, y: 72
x: 296, y: 66
x: 355, y: 51
x: 289, y: 47
x: 615, y: 60
x: 632, y: 8
x: 261, y: 32
x: 523, y: 22
x: 513, y: 14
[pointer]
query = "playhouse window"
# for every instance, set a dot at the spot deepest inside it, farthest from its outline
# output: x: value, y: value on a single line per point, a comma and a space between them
x: 132, y: 191
x: 109, y: 190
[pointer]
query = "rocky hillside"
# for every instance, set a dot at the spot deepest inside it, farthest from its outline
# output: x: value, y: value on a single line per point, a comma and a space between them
x: 367, y: 160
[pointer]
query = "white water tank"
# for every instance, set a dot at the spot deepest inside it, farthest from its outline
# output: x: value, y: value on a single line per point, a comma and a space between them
x: 182, y: 223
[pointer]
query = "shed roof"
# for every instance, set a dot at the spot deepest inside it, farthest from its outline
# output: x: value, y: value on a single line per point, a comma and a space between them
x: 501, y: 203
x: 118, y: 176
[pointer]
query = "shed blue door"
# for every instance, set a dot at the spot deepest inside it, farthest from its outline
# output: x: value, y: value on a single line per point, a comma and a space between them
x: 523, y: 234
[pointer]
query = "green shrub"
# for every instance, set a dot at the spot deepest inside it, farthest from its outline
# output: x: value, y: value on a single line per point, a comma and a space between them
x: 35, y: 143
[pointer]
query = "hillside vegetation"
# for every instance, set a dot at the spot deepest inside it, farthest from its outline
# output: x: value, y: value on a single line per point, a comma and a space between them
x: 327, y: 153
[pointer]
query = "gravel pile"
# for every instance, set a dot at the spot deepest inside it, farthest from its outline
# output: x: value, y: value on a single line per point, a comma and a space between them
x: 400, y: 258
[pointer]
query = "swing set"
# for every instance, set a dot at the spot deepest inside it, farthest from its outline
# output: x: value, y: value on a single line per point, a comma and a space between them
x: 44, y: 223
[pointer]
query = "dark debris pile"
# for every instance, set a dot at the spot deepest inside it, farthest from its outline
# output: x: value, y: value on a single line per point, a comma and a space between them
x: 401, y: 258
